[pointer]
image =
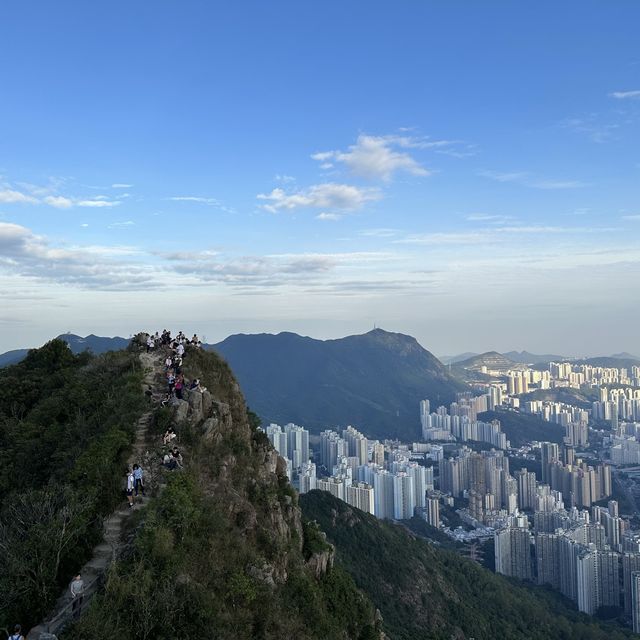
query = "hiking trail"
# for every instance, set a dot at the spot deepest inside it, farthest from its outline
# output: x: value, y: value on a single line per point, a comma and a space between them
x: 111, y: 545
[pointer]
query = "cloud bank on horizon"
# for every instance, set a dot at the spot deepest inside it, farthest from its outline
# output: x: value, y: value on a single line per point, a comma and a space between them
x: 476, y: 191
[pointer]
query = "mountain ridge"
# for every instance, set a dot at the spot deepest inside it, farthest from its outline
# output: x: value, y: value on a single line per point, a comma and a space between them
x: 374, y: 380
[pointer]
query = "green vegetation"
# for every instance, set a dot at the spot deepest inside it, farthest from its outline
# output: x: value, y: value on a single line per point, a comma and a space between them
x: 522, y: 428
x: 66, y: 424
x: 222, y: 552
x: 374, y: 381
x: 580, y: 398
x: 425, y: 593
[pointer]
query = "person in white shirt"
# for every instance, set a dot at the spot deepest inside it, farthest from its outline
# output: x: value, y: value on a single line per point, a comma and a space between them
x: 77, y: 594
x: 131, y: 483
x: 17, y: 633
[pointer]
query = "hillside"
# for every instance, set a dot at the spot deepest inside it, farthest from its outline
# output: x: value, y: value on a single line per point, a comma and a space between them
x: 525, y: 357
x: 66, y: 423
x: 493, y: 360
x: 606, y: 361
x: 12, y: 357
x: 425, y: 593
x: 222, y: 551
x: 374, y: 381
x: 579, y: 398
x: 521, y: 427
x: 77, y: 344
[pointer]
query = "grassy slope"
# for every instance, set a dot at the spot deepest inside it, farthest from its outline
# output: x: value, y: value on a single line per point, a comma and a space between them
x: 427, y: 593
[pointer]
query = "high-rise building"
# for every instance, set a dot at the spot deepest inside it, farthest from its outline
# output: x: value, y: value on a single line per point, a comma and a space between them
x: 433, y: 511
x: 297, y: 444
x: 526, y: 489
x: 383, y: 494
x: 550, y: 451
x: 360, y: 495
x: 403, y: 496
x: 357, y: 444
x: 278, y: 439
x: 377, y: 453
x: 332, y: 447
x: 548, y: 562
x: 635, y: 601
x: 307, y: 480
x: 513, y: 552
x: 630, y: 564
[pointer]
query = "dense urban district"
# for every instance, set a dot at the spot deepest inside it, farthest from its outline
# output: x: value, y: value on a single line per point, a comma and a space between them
x: 559, y: 511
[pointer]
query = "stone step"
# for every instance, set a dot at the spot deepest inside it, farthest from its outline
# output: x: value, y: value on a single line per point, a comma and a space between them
x: 98, y: 564
x: 103, y: 549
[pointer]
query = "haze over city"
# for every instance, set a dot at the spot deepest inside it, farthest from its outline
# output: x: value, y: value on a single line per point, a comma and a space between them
x: 321, y: 169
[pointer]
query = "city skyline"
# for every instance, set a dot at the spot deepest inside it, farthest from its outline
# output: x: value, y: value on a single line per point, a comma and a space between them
x: 466, y: 175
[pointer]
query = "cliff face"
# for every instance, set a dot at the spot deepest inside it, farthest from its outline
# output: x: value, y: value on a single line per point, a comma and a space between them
x: 223, y: 552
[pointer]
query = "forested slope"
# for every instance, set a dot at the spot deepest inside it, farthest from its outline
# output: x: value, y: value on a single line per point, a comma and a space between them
x: 426, y: 593
x: 66, y: 423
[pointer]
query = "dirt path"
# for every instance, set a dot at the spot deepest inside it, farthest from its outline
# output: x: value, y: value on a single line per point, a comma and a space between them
x: 108, y: 549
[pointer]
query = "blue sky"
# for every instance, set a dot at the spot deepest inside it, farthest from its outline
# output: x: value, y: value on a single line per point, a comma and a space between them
x: 465, y: 172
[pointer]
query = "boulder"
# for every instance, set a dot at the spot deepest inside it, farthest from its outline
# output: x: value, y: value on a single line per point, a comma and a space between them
x: 182, y: 410
x: 195, y: 407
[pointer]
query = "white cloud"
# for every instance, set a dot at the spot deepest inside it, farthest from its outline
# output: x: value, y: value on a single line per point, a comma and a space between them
x: 527, y: 179
x: 379, y: 233
x: 625, y: 95
x: 29, y: 255
x: 328, y: 195
x: 121, y: 185
x: 428, y: 239
x: 210, y: 201
x: 48, y: 196
x: 284, y: 178
x: 591, y: 126
x: 485, y: 217
x: 328, y: 216
x: 97, y: 203
x: 495, y: 234
x: 59, y: 202
x: 376, y: 157
x: 122, y: 225
x: 632, y: 217
x: 10, y: 196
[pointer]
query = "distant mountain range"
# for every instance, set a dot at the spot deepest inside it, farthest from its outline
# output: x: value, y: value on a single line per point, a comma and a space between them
x: 525, y: 357
x: 491, y: 359
x: 77, y: 344
x: 373, y: 381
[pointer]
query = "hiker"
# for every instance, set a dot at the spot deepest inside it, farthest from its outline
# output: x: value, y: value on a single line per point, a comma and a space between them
x: 196, y: 386
x: 168, y: 363
x: 77, y: 594
x: 171, y: 380
x: 179, y: 386
x: 131, y: 481
x: 150, y: 344
x: 168, y: 436
x: 138, y: 479
x: 149, y: 392
x: 180, y: 349
x: 17, y: 633
x: 166, y: 400
x: 177, y: 457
